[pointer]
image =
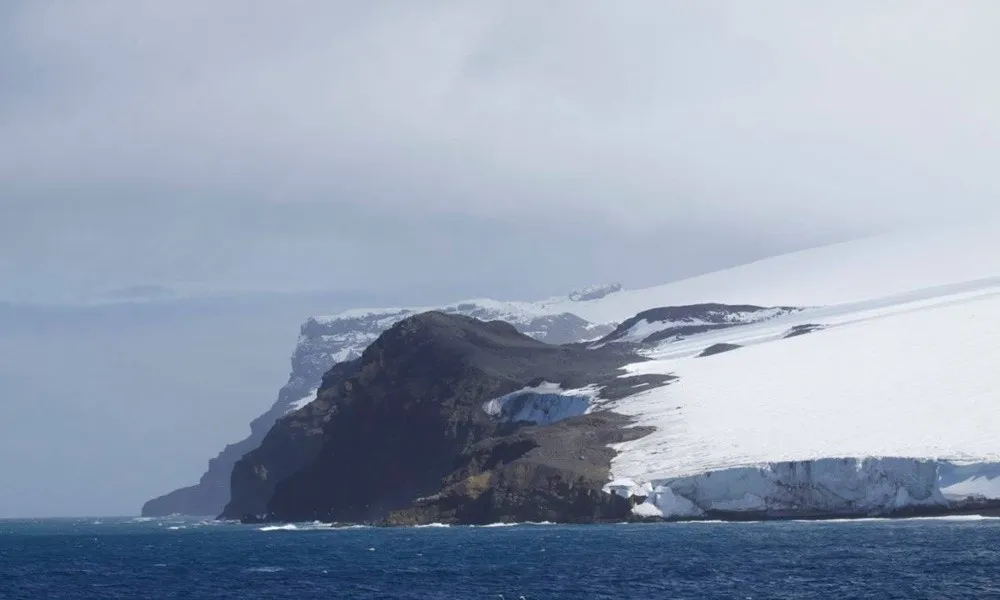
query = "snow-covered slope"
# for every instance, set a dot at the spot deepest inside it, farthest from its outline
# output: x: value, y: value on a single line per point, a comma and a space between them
x: 867, y: 414
x: 848, y: 272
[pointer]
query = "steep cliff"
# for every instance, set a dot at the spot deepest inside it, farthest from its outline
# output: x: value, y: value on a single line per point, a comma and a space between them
x: 407, y: 420
x: 325, y: 341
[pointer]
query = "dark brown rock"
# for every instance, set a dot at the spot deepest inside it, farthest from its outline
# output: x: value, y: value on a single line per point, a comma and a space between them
x: 406, y: 422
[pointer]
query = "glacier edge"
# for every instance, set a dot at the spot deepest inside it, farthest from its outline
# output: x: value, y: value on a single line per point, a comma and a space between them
x: 816, y: 488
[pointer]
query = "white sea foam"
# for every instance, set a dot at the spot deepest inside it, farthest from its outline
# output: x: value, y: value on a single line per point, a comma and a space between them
x: 287, y: 527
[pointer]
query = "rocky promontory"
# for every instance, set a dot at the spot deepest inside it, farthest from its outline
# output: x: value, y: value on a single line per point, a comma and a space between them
x: 448, y: 418
x: 327, y: 341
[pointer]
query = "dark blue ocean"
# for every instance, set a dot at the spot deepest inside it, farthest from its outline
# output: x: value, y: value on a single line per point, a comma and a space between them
x: 172, y: 558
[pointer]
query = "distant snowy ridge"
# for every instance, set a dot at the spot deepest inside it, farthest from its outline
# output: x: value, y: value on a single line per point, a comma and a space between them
x: 595, y: 292
x: 853, y: 271
x: 327, y: 340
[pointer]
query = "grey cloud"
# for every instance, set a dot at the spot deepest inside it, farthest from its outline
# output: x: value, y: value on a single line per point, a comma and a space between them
x: 772, y: 121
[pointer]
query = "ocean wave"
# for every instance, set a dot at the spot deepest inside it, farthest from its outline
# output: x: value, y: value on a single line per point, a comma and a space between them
x: 287, y: 527
x: 958, y: 518
x: 941, y: 518
x: 264, y: 570
x: 314, y: 526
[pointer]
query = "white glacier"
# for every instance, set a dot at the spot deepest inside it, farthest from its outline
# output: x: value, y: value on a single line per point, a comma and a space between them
x: 827, y: 487
x: 891, y: 405
x: 664, y: 503
x: 918, y: 383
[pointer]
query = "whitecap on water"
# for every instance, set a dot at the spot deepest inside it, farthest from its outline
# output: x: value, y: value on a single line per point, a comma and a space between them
x: 288, y: 527
x: 264, y: 570
x: 314, y: 526
x: 958, y: 518
x: 941, y: 518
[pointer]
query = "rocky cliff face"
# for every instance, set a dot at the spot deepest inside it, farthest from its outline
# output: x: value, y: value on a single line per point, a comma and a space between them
x: 402, y: 433
x: 325, y: 341
x: 551, y: 473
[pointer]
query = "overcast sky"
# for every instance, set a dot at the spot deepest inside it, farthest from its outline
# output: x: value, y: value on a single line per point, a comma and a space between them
x: 513, y: 147
x: 420, y: 152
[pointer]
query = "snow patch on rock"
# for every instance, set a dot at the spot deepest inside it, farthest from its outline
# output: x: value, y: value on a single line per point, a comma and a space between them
x: 301, y: 402
x: 543, y: 404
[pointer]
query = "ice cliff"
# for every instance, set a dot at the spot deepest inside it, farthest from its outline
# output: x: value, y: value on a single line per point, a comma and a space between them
x: 827, y: 487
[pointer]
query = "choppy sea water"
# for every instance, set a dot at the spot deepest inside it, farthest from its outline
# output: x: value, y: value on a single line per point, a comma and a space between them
x: 176, y: 558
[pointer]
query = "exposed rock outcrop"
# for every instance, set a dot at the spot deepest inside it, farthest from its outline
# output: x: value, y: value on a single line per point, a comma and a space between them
x: 554, y: 473
x: 661, y: 324
x: 325, y: 341
x: 406, y: 421
x: 802, y: 330
x: 718, y: 349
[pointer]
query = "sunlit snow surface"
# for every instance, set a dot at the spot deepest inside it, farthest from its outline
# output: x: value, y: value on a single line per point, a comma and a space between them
x: 853, y: 271
x: 911, y: 376
x: 920, y: 383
